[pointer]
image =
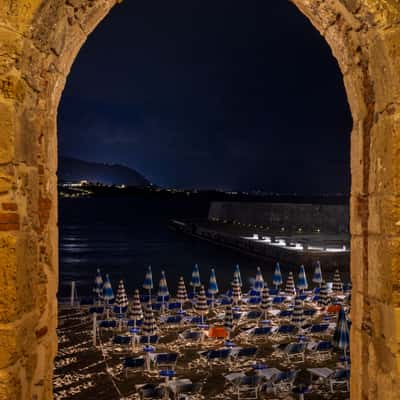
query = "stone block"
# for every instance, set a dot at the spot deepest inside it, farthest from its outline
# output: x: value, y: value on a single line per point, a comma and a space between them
x: 6, y: 133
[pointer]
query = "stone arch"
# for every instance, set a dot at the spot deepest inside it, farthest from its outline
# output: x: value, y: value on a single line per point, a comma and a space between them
x: 39, y: 40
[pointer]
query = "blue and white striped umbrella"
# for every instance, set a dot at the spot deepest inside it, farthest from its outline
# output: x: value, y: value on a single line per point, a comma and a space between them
x: 317, y: 277
x: 238, y: 275
x: 298, y: 313
x: 201, y: 306
x: 337, y: 282
x: 290, y: 288
x: 195, y: 281
x: 259, y: 282
x: 302, y: 283
x: 266, y: 301
x: 323, y: 298
x: 181, y: 295
x: 98, y: 285
x: 136, y: 307
x: 341, y: 336
x: 121, y: 300
x: 149, y: 327
x: 236, y: 291
x: 228, y: 319
x: 277, y: 278
x: 213, y: 286
x: 148, y: 281
x: 163, y: 291
x: 108, y: 293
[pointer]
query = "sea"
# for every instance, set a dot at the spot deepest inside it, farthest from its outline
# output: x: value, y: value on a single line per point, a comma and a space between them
x: 124, y: 235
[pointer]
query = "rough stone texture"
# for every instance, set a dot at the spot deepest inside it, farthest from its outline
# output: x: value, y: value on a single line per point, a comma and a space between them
x: 39, y: 40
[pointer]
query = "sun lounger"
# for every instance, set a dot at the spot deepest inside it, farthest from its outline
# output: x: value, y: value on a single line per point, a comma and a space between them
x: 285, y: 313
x: 174, y: 306
x: 196, y: 320
x: 120, y: 310
x: 278, y: 300
x: 144, y: 339
x: 246, y: 352
x: 254, y: 314
x: 216, y: 356
x: 339, y: 379
x: 318, y: 329
x: 284, y: 331
x: 225, y: 301
x: 253, y: 301
x: 107, y: 324
x: 261, y: 331
x: 193, y: 336
x: 160, y: 299
x: 122, y: 340
x: 248, y: 387
x: 150, y: 391
x: 273, y: 292
x: 165, y: 360
x: 131, y: 322
x: 97, y: 310
x: 295, y: 352
x: 310, y: 312
x: 323, y: 350
x: 133, y: 363
x: 173, y: 321
x: 284, y: 382
x: 156, y: 306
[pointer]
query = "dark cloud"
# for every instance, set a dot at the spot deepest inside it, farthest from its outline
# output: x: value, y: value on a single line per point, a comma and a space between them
x: 211, y: 94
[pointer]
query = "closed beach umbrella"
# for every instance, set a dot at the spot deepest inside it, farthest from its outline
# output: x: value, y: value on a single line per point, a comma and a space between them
x: 212, y: 286
x: 136, y: 313
x: 337, y: 282
x: 266, y: 301
x: 323, y: 298
x: 236, y: 291
x: 181, y: 294
x: 108, y: 293
x: 121, y: 301
x: 302, y: 283
x: 148, y: 329
x: 277, y: 278
x: 195, y: 281
x: 201, y: 306
x: 341, y: 336
x: 148, y: 282
x: 149, y: 323
x: 290, y: 288
x: 259, y: 282
x: 317, y: 277
x: 228, y: 320
x: 98, y: 285
x: 163, y: 289
x: 298, y: 313
x: 238, y: 275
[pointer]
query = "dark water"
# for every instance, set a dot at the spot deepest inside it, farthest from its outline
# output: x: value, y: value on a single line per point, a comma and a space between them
x: 122, y: 236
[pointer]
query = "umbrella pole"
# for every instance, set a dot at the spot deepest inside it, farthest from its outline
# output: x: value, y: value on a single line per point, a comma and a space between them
x: 212, y: 300
x: 107, y: 310
x: 150, y: 297
x: 94, y: 328
x: 134, y: 336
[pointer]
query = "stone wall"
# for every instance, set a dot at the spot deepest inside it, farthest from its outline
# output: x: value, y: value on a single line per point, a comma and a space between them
x: 39, y: 40
x: 290, y: 217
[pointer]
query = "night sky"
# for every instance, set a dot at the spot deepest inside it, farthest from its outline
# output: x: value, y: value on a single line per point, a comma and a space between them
x: 211, y: 94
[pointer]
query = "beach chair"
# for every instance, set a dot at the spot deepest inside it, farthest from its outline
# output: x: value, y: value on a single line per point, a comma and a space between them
x: 131, y: 323
x: 150, y: 391
x: 277, y: 300
x: 339, y: 379
x: 216, y: 357
x: 174, y: 306
x: 165, y: 360
x: 254, y: 314
x: 173, y: 321
x: 318, y: 329
x: 310, y: 312
x: 156, y: 306
x: 284, y: 331
x: 284, y: 382
x: 247, y: 387
x: 295, y: 352
x: 160, y: 299
x: 285, y: 314
x: 196, y: 320
x: 189, y: 389
x: 225, y: 301
x: 107, y: 324
x: 122, y: 340
x: 323, y: 350
x: 133, y: 363
x: 153, y: 339
x: 120, y: 310
x: 273, y: 292
x: 254, y: 301
x: 246, y: 352
x: 193, y: 336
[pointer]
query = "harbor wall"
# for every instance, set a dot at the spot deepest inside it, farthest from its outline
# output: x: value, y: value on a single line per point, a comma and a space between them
x: 291, y: 217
